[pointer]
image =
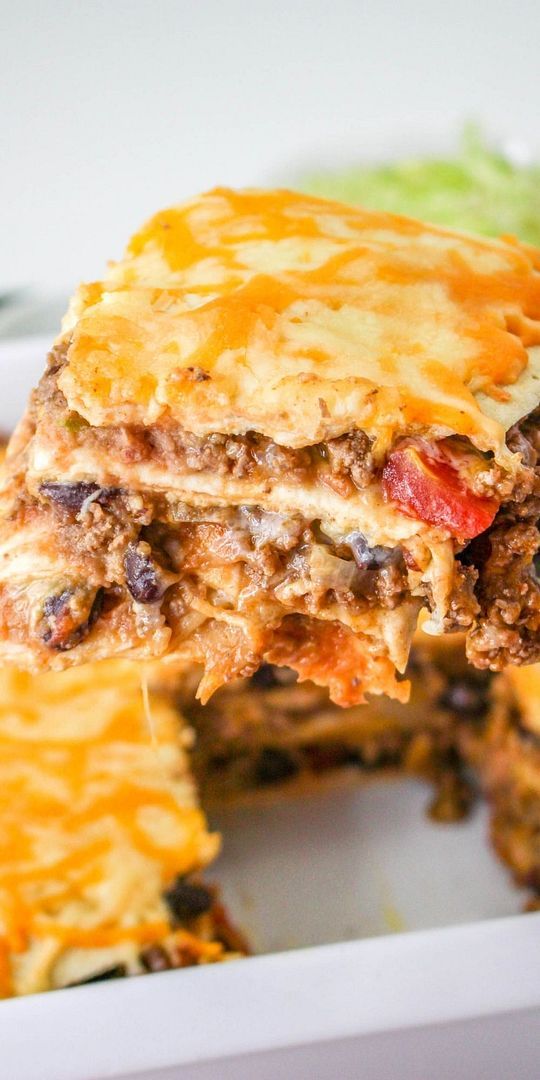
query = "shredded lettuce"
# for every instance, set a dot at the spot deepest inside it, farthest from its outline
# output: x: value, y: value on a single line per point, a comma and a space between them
x: 478, y: 190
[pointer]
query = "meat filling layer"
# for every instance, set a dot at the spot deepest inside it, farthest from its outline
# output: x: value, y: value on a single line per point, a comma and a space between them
x: 342, y: 464
x: 507, y: 630
x: 176, y: 565
x: 266, y: 580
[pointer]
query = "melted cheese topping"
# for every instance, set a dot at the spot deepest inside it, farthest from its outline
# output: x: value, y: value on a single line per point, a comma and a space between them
x: 95, y: 821
x: 302, y: 319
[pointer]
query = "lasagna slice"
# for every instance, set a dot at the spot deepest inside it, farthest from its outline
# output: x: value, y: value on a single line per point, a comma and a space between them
x: 274, y: 431
x: 100, y: 834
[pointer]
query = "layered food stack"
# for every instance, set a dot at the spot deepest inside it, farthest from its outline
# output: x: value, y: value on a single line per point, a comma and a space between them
x: 270, y: 436
x: 273, y: 432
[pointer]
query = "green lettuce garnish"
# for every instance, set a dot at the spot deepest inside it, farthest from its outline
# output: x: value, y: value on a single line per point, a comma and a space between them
x: 478, y: 190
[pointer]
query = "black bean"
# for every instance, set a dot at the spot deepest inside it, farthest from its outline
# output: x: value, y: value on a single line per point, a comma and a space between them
x: 154, y: 958
x: 56, y: 604
x: 274, y: 765
x: 142, y: 576
x: 73, y: 496
x: 61, y: 614
x: 372, y: 558
x: 118, y: 971
x: 188, y: 899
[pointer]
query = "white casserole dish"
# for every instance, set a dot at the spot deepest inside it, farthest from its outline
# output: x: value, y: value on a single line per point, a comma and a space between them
x: 455, y: 994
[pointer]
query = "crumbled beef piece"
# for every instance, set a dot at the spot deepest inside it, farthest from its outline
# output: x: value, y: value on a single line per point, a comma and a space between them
x: 239, y: 456
x: 508, y: 630
x: 508, y: 590
x: 462, y: 604
x: 350, y: 456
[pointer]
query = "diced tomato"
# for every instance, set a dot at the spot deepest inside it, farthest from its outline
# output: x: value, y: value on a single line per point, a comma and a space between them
x: 425, y: 486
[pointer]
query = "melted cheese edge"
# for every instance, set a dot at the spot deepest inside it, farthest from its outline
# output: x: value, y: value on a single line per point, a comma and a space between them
x: 302, y: 319
x: 95, y: 821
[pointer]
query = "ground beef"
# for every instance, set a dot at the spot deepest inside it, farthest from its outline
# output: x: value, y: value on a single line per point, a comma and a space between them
x: 268, y: 677
x: 495, y: 594
x: 111, y: 543
x: 462, y: 605
x: 344, y: 463
x: 507, y: 629
x: 350, y: 460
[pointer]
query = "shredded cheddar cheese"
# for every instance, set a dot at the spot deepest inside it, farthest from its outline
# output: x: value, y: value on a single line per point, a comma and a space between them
x: 94, y: 824
x: 301, y: 319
